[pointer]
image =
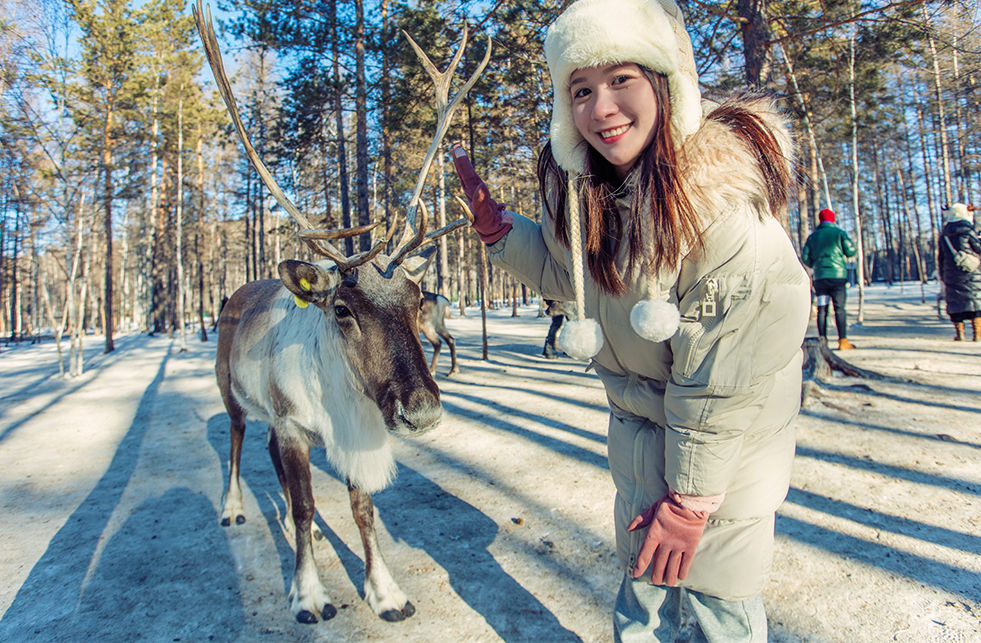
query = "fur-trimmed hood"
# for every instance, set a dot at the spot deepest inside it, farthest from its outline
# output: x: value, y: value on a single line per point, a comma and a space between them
x: 718, y: 168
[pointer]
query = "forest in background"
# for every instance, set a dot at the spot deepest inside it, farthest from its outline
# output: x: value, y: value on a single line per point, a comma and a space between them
x: 127, y: 203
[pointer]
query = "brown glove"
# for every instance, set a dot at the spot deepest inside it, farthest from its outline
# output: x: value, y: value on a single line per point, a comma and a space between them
x: 490, y: 220
x: 670, y: 542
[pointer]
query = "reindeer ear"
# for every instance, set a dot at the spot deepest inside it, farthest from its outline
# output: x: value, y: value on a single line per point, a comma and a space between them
x: 308, y: 281
x: 415, y: 266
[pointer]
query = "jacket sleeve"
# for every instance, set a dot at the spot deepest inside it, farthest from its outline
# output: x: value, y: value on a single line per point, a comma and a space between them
x: 805, y: 254
x: 531, y: 254
x: 847, y: 246
x: 972, y: 243
x: 726, y: 360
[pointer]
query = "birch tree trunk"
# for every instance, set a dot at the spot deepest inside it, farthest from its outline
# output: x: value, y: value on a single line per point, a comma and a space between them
x: 148, y: 267
x: 461, y: 268
x: 361, y: 122
x: 815, y: 154
x: 909, y: 233
x: 199, y: 148
x: 339, y: 119
x: 940, y: 113
x: 860, y: 257
x: 107, y: 143
x: 483, y: 300
x: 933, y: 210
x: 180, y: 218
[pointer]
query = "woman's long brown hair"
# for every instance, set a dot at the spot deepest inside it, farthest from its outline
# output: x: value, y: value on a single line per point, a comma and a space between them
x: 663, y: 221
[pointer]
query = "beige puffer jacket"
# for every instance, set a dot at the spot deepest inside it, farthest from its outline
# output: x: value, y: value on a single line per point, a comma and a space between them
x: 709, y: 411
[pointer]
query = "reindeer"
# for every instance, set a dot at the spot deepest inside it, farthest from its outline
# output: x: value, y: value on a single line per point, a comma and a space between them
x: 330, y: 355
x: 432, y: 324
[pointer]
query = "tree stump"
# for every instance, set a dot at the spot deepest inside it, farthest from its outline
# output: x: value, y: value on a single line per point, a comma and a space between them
x: 819, y: 362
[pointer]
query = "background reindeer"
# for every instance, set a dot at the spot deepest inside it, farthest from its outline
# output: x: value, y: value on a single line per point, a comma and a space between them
x: 341, y: 373
x: 432, y: 324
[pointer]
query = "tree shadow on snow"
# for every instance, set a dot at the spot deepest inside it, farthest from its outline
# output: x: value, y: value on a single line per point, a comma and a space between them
x: 458, y: 541
x: 864, y: 389
x: 168, y: 572
x: 147, y: 571
x: 257, y: 475
x: 867, y: 464
x: 457, y: 538
x: 942, y: 576
x: 866, y: 426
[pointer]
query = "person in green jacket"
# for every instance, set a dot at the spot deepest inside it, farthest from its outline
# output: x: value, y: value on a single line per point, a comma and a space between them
x: 661, y: 222
x: 825, y: 252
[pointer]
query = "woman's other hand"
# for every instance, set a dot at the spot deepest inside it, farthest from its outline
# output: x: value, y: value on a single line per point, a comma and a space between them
x: 669, y: 545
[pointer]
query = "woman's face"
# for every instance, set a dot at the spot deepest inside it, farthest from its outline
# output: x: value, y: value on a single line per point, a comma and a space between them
x: 614, y: 109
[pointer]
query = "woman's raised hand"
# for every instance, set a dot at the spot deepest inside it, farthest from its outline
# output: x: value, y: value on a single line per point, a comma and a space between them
x: 490, y: 220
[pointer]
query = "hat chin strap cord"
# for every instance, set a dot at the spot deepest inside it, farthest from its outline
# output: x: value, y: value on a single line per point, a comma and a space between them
x: 580, y: 338
x: 575, y: 243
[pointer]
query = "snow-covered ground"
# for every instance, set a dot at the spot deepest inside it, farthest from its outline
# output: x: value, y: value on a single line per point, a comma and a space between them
x: 499, y: 524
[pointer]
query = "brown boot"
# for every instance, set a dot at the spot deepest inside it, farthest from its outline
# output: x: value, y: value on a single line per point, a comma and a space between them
x: 976, y: 327
x: 844, y: 344
x: 958, y: 331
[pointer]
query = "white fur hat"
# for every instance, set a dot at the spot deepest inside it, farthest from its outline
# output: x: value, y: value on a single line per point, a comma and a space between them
x: 960, y: 211
x: 650, y: 33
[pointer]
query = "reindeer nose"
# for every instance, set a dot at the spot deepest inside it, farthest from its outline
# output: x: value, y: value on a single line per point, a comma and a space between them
x: 419, y: 417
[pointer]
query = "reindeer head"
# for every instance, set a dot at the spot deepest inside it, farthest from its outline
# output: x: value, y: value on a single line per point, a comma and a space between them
x: 372, y: 299
x: 376, y: 317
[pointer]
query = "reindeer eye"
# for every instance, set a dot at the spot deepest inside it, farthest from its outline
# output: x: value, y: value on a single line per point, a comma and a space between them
x: 342, y: 311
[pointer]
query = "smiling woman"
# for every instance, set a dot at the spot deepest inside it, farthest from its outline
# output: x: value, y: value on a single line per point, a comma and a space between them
x: 674, y: 212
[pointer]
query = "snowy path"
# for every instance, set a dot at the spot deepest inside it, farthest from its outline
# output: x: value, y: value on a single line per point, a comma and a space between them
x: 498, y: 526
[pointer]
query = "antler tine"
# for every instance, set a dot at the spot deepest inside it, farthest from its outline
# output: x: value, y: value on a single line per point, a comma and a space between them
x: 465, y: 207
x: 341, y: 233
x: 202, y: 18
x: 445, y: 107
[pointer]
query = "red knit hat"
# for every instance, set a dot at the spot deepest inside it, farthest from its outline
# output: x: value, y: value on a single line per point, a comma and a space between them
x: 826, y: 215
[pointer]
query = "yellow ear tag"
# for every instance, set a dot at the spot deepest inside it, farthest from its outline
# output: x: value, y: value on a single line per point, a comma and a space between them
x: 300, y: 303
x: 304, y: 284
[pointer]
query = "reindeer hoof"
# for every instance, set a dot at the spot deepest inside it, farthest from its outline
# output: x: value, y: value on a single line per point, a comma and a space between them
x: 394, y: 616
x: 306, y: 616
x: 328, y: 612
x: 453, y: 372
x: 239, y: 519
x: 225, y: 522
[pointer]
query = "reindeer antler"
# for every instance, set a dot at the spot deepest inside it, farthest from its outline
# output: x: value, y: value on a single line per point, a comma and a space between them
x: 317, y: 239
x: 415, y: 234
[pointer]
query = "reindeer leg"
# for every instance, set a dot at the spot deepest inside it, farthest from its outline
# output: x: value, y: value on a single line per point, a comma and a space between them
x: 380, y: 589
x: 452, y: 344
x: 308, y: 596
x: 272, y: 442
x: 434, y: 340
x: 232, y: 508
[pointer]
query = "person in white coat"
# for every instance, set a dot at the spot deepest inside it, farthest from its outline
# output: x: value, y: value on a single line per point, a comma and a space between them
x: 662, y: 224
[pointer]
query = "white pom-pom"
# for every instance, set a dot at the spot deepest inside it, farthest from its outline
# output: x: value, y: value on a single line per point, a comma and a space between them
x: 580, y: 339
x: 655, y: 319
